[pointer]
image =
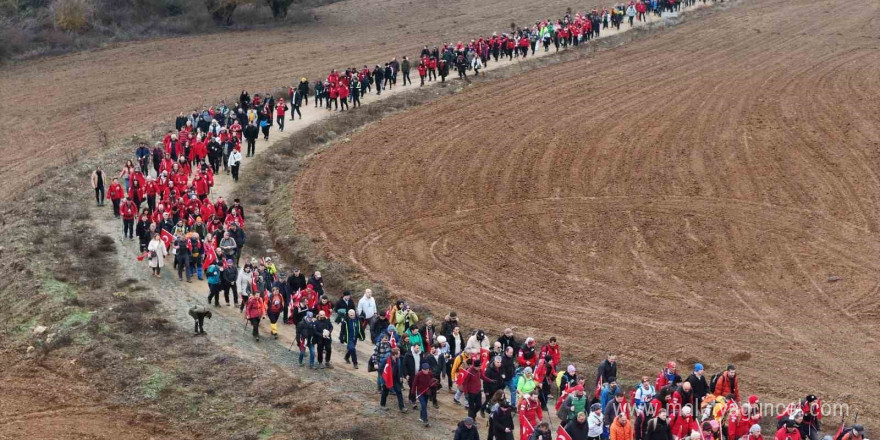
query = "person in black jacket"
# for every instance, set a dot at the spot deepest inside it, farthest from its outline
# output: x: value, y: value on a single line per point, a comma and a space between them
x: 437, y: 362
x: 303, y: 89
x: 324, y: 330
x: 395, y: 386
x: 501, y: 423
x: 607, y: 370
x: 251, y: 133
x: 306, y: 338
x: 507, y: 340
x: 494, y: 378
x: 344, y: 305
x: 411, y: 364
x: 317, y: 282
x: 698, y: 383
x: 658, y: 427
x: 378, y: 77
x: 467, y: 430
x: 143, y: 231
x: 577, y: 428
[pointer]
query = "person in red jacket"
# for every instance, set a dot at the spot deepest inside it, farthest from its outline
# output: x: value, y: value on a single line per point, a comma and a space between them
x: 528, y: 356
x: 472, y: 386
x: 789, y: 431
x: 423, y: 72
x: 280, y: 111
x: 432, y: 68
x: 683, y: 424
x: 552, y: 348
x: 342, y: 90
x: 115, y: 194
x: 201, y: 186
x: 755, y: 433
x: 728, y: 383
x: 253, y: 312
x: 332, y: 96
x: 423, y: 385
x: 129, y: 212
x: 529, y: 414
x: 740, y: 421
x: 667, y: 376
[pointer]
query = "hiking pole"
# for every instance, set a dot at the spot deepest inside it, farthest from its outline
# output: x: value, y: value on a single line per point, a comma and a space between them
x: 291, y: 345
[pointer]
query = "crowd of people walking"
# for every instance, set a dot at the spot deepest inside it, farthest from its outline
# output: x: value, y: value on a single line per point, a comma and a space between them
x: 520, y: 388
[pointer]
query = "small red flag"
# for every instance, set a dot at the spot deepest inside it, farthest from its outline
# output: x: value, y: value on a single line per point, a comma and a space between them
x: 167, y: 238
x: 143, y: 255
x: 562, y: 434
x: 388, y: 374
x: 210, y: 256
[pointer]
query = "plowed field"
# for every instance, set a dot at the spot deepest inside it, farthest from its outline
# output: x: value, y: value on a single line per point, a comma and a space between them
x: 709, y: 193
x: 53, y: 107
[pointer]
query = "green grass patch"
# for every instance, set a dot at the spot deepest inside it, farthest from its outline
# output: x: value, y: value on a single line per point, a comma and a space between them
x: 156, y: 383
x: 267, y: 432
x: 58, y: 290
x: 76, y: 319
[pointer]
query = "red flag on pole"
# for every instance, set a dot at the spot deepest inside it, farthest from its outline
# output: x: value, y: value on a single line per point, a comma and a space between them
x: 484, y: 359
x: 142, y: 256
x: 167, y: 238
x: 562, y: 434
x: 525, y: 427
x: 388, y: 374
x: 210, y: 256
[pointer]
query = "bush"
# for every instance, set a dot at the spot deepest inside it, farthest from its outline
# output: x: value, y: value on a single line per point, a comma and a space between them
x: 72, y: 15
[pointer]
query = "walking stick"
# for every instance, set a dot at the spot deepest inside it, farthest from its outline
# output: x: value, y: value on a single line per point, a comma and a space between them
x: 291, y: 345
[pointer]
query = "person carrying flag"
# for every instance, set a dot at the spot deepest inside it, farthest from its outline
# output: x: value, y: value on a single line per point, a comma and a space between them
x: 423, y: 385
x: 529, y: 410
x: 390, y: 376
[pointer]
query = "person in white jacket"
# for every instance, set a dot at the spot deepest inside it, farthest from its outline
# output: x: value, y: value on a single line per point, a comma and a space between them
x: 366, y: 309
x: 477, y: 342
x: 157, y: 251
x: 234, y: 163
x: 595, y: 421
x: 244, y: 284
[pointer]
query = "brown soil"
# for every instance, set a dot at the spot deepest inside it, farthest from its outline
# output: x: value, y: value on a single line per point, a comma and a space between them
x: 687, y: 196
x: 54, y: 103
x: 39, y: 402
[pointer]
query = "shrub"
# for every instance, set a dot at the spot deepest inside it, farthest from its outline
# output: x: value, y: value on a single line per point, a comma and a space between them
x: 72, y: 15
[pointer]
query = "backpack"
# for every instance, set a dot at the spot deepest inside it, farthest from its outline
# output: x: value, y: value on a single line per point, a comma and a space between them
x: 714, y: 381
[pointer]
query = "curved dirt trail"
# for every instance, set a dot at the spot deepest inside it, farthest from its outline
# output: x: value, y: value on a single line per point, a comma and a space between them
x: 686, y: 196
x: 227, y: 327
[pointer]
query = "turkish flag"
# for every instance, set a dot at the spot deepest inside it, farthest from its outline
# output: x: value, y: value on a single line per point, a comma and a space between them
x: 484, y: 359
x: 562, y: 434
x: 167, y: 238
x: 142, y: 256
x: 392, y: 342
x: 388, y: 374
x: 525, y: 427
x: 210, y: 256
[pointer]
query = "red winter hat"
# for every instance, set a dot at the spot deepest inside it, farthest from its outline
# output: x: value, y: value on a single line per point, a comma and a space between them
x: 753, y: 399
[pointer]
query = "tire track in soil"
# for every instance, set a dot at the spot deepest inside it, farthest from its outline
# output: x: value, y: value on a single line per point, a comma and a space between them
x: 754, y: 125
x: 227, y: 329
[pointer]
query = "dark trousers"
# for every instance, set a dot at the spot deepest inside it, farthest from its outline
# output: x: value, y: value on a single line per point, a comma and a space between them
x: 255, y: 322
x: 251, y: 147
x: 475, y: 402
x: 128, y: 228
x: 355, y: 100
x: 235, y: 172
x: 200, y: 324
x: 115, y: 207
x: 325, y: 349
x: 396, y: 390
x: 423, y: 81
x: 226, y: 287
x: 214, y: 292
x: 280, y: 121
x: 295, y: 111
x: 151, y: 203
x: 423, y: 407
x: 351, y: 353
x: 181, y: 265
x: 406, y: 78
x: 344, y: 103
x: 99, y: 195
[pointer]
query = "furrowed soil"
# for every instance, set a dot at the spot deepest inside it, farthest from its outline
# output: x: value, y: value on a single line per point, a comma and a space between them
x: 126, y: 89
x: 710, y: 193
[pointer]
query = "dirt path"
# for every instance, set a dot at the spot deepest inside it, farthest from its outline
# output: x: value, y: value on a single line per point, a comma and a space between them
x: 227, y: 328
x: 691, y: 196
